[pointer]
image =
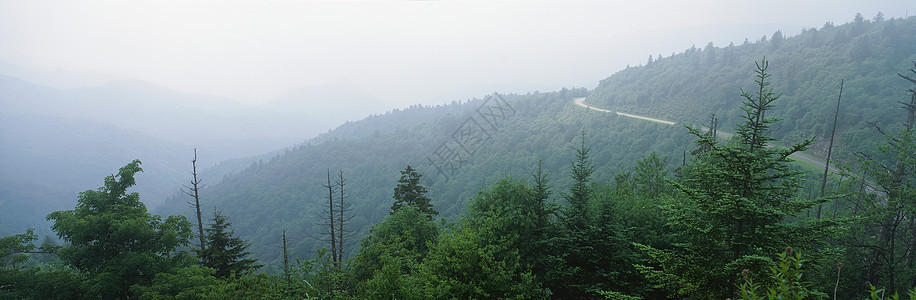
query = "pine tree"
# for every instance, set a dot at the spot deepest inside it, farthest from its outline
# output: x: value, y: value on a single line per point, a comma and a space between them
x: 581, y: 191
x: 575, y: 240
x: 225, y: 252
x: 410, y: 192
x: 734, y: 200
x: 542, y: 193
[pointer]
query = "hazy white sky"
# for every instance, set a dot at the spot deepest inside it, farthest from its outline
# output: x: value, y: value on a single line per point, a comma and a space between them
x: 403, y: 52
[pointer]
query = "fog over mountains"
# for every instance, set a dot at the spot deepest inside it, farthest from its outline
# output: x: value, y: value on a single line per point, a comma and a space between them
x: 64, y: 141
x: 456, y: 149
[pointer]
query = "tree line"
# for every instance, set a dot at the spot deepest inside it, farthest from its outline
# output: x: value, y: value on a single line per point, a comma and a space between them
x: 732, y: 222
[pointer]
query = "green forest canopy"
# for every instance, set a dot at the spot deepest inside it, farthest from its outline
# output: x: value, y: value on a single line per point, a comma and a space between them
x: 625, y: 193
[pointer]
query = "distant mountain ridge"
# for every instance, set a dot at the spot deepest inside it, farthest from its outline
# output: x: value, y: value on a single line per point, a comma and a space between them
x: 67, y: 140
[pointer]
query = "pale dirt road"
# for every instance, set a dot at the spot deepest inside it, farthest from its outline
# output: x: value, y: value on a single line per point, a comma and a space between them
x: 800, y: 156
x: 581, y: 102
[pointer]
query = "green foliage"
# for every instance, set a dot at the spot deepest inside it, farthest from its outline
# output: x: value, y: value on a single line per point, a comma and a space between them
x: 407, y: 260
x: 591, y: 246
x: 12, y: 248
x: 785, y: 280
x: 640, y: 195
x: 879, y: 294
x: 196, y: 282
x: 690, y: 86
x: 581, y: 191
x: 650, y: 177
x: 46, y: 282
x: 474, y: 263
x: 392, y: 282
x: 37, y: 283
x: 509, y: 209
x: 260, y: 286
x: 190, y: 282
x: 735, y: 198
x: 409, y: 192
x: 729, y: 209
x: 284, y: 192
x: 225, y: 253
x: 115, y: 241
x: 395, y: 246
x: 886, y: 230
x: 326, y: 277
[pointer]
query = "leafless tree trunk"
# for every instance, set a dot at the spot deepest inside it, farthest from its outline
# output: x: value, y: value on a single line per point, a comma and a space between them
x: 194, y: 191
x: 331, y: 217
x: 830, y: 150
x: 343, y: 207
x: 286, y: 260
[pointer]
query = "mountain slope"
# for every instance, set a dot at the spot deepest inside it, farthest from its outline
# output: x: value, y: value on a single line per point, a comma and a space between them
x: 807, y: 70
x: 285, y: 193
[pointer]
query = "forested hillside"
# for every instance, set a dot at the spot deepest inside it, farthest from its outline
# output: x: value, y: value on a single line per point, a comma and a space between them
x: 701, y: 81
x: 531, y: 196
x: 285, y: 193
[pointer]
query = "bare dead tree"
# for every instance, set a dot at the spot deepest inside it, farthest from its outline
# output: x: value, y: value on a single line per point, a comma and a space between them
x: 286, y: 260
x: 714, y: 128
x: 830, y: 149
x: 343, y: 209
x: 194, y: 191
x: 328, y: 220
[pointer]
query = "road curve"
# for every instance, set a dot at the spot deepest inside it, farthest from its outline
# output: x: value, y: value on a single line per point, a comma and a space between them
x: 797, y: 155
x: 581, y: 102
x: 800, y: 156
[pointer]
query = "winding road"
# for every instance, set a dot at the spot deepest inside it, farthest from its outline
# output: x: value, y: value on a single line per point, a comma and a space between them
x: 798, y: 155
x: 581, y: 102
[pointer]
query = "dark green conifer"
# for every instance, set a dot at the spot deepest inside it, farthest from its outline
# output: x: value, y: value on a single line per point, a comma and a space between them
x: 410, y: 192
x: 733, y: 205
x: 225, y: 252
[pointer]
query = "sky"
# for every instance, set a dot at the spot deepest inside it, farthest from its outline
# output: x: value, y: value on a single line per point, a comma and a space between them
x: 400, y: 52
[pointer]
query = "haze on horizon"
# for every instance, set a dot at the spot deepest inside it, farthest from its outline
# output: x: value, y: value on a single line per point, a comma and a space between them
x: 400, y: 52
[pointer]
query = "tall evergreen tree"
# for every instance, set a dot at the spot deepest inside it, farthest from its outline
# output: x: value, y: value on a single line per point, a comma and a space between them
x: 734, y: 200
x: 541, y: 190
x: 410, y: 192
x: 581, y: 191
x: 591, y: 244
x: 225, y: 252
